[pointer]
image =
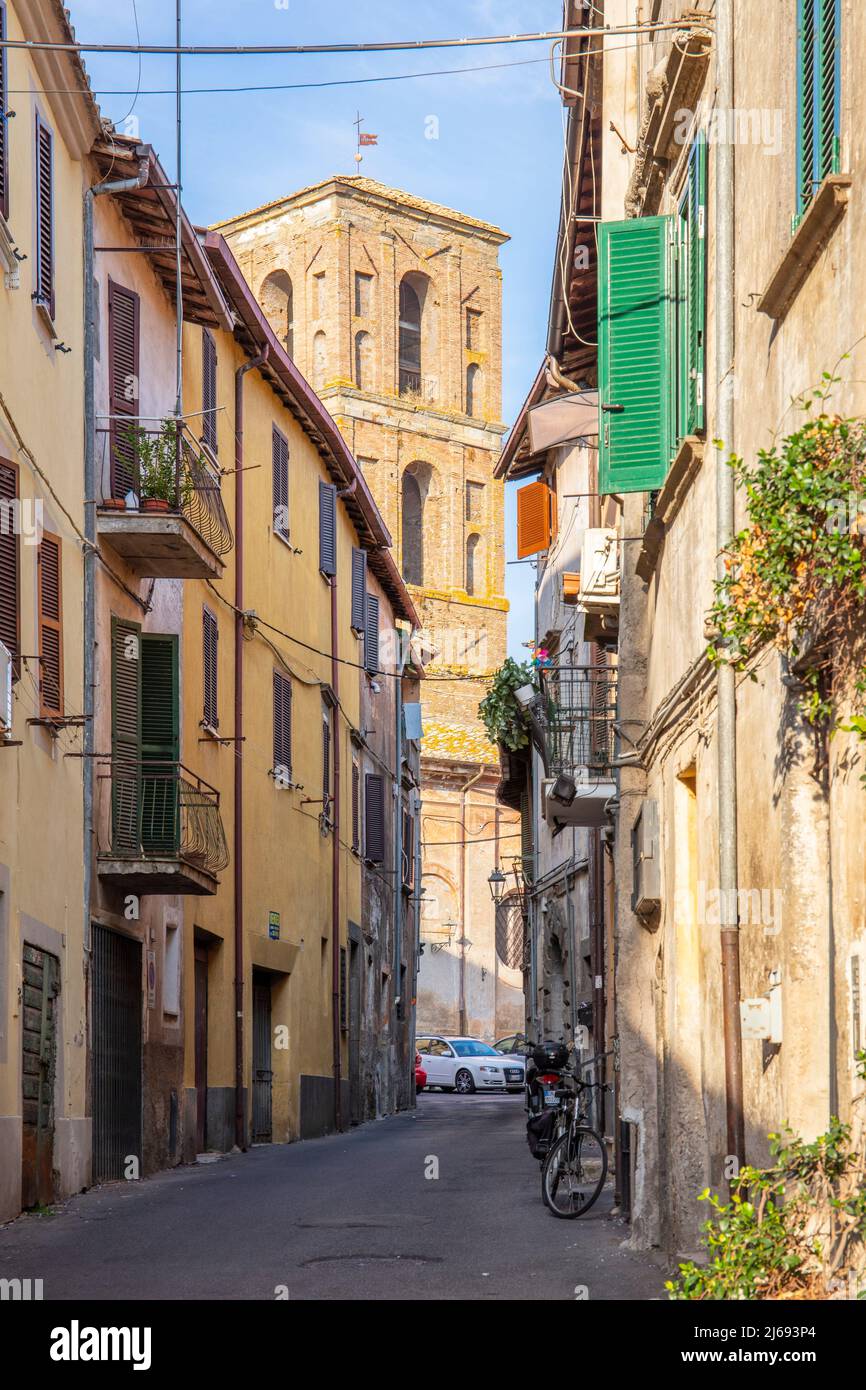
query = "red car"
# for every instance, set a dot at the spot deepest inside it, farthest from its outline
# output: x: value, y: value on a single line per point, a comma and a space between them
x: 420, y: 1074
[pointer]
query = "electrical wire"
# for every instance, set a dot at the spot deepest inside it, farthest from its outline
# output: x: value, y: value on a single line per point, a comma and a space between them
x: 393, y: 46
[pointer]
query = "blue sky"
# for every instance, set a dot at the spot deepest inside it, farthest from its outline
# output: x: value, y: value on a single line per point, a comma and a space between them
x: 498, y: 155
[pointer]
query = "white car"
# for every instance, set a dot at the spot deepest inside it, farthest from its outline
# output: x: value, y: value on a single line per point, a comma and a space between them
x: 466, y: 1065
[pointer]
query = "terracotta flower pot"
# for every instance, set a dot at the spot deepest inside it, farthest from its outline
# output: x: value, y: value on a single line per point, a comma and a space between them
x: 114, y: 504
x: 154, y: 504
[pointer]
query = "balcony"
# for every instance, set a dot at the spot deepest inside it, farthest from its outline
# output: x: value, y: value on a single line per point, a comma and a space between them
x: 580, y: 733
x: 159, y: 503
x: 166, y: 833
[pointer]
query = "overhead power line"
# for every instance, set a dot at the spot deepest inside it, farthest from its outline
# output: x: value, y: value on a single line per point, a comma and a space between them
x: 395, y: 46
x: 287, y: 86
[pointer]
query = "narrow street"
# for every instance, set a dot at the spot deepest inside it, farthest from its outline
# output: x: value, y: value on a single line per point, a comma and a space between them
x: 352, y: 1217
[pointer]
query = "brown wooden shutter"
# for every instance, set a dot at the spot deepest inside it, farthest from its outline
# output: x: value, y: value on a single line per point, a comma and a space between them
x: 326, y: 761
x: 359, y: 589
x: 4, y: 125
x: 44, y: 291
x: 210, y: 642
x: 123, y: 353
x: 282, y: 722
x: 356, y: 807
x: 208, y: 389
x: 10, y: 580
x: 374, y: 817
x: 50, y: 586
x: 280, y: 469
x: 327, y: 528
x: 371, y: 636
x: 536, y: 510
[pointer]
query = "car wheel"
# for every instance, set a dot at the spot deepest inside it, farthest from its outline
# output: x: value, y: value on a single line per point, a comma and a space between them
x: 464, y: 1085
x: 418, y: 1090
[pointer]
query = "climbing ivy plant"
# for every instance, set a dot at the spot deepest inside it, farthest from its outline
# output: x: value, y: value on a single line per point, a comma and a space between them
x: 501, y: 712
x: 795, y: 576
x: 796, y: 1229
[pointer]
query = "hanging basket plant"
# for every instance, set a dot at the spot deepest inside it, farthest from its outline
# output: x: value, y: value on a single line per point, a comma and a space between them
x: 795, y: 576
x: 501, y: 712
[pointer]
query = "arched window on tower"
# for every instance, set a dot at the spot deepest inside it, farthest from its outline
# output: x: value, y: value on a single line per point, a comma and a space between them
x: 473, y: 563
x: 364, y: 361
x: 473, y: 389
x: 320, y: 359
x: 410, y: 338
x: 277, y: 300
x: 413, y: 529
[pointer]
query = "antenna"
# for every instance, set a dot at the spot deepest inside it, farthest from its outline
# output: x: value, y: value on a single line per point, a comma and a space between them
x: 358, y: 155
x: 178, y: 226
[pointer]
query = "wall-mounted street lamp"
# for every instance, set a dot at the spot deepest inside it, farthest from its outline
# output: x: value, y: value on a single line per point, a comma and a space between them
x: 497, y: 883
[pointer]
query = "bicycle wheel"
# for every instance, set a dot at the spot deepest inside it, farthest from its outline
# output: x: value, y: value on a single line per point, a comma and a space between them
x: 574, y: 1173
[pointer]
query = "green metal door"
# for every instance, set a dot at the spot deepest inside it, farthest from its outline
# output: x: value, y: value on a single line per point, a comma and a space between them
x: 41, y: 983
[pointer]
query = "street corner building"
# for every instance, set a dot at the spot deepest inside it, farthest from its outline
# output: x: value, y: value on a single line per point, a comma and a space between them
x: 391, y: 306
x: 703, y: 837
x: 210, y: 717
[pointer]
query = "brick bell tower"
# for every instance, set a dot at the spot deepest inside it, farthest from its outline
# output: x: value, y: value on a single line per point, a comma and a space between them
x: 391, y: 306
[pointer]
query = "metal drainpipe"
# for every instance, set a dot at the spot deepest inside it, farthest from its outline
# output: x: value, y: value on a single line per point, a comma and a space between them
x: 463, y: 790
x: 241, y: 372
x: 90, y: 481
x: 335, y: 831
x: 398, y: 846
x: 727, y: 709
x: 335, y: 862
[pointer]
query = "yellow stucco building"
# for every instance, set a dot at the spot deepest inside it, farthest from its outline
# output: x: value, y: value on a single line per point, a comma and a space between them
x: 44, y: 1133
x: 271, y: 718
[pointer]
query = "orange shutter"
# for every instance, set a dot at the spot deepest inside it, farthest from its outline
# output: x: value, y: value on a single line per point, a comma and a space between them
x: 536, y: 508
x: 50, y: 627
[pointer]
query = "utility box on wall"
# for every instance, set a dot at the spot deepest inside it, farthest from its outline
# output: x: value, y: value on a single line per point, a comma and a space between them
x: 646, y: 881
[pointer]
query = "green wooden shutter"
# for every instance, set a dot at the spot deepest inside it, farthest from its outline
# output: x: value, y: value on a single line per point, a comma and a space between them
x: 691, y: 292
x: 818, y: 96
x: 125, y: 737
x: 635, y: 341
x: 160, y: 737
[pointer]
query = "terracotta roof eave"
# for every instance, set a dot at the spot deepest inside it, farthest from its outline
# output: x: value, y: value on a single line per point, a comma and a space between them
x: 150, y: 211
x: 309, y: 410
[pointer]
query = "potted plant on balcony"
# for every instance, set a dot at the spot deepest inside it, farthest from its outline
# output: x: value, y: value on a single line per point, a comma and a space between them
x: 157, y: 456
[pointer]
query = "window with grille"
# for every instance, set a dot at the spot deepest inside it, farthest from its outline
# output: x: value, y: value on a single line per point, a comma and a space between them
x: 509, y: 932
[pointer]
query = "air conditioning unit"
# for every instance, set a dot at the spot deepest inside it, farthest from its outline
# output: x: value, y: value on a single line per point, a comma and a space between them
x: 599, y: 572
x: 5, y: 691
x: 647, y: 880
x: 581, y: 799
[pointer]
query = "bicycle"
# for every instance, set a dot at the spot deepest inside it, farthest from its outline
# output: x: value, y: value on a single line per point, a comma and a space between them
x: 575, y: 1168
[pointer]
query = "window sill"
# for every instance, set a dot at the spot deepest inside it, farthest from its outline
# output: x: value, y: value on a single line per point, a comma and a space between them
x: 807, y: 243
x: 684, y: 469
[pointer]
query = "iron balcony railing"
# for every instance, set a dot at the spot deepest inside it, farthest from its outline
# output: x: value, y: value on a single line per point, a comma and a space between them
x: 161, y: 810
x: 579, y: 713
x: 163, y: 467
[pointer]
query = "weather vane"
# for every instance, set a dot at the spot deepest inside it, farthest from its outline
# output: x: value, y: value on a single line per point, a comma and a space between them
x: 364, y: 139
